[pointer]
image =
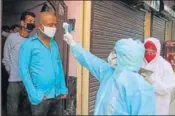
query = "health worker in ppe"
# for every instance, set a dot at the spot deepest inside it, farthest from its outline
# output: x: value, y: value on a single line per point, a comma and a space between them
x: 163, y: 77
x: 122, y: 90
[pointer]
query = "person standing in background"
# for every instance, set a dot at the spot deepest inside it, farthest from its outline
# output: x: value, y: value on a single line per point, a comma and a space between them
x: 10, y: 60
x: 163, y: 77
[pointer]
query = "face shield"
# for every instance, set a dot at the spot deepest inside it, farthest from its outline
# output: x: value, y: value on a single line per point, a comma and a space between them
x: 112, y: 59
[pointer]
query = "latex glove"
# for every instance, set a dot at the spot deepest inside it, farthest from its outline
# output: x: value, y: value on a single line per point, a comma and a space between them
x: 69, y: 39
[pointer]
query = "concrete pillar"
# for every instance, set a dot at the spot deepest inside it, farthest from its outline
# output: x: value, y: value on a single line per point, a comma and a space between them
x: 147, y: 25
x: 168, y: 30
x: 173, y: 30
x: 82, y: 73
x: 86, y: 45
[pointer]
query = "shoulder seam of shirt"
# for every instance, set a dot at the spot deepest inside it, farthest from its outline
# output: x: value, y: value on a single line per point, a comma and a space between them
x: 11, y: 35
x: 28, y: 40
x: 34, y: 37
x: 53, y: 40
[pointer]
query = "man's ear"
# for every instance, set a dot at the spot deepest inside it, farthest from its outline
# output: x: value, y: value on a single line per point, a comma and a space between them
x: 40, y: 27
x: 22, y: 23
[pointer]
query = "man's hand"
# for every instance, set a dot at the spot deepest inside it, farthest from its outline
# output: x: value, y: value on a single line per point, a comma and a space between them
x: 45, y: 97
x: 63, y: 96
x: 69, y: 39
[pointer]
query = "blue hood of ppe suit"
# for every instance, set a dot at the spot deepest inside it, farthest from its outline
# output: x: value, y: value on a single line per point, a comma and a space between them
x: 130, y: 54
x: 122, y: 90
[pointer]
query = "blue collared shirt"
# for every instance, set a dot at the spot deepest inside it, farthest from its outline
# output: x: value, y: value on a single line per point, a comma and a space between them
x: 41, y: 69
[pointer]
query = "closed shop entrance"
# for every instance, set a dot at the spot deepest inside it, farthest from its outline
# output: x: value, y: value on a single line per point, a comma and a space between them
x: 111, y: 21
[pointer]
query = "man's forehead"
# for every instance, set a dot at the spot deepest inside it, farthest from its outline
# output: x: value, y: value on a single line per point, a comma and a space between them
x: 50, y: 20
x: 47, y: 17
x: 47, y: 14
x: 29, y: 17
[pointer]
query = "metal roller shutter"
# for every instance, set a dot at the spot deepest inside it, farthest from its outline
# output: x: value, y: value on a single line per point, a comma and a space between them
x: 111, y: 21
x: 158, y: 31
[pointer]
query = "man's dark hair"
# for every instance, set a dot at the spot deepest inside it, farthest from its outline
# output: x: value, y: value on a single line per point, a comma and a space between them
x: 14, y: 26
x: 24, y: 14
x: 46, y: 8
x: 6, y: 28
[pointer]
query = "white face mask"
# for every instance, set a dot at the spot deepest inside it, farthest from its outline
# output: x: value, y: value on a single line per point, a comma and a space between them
x: 49, y: 31
x: 5, y: 34
x: 112, y: 59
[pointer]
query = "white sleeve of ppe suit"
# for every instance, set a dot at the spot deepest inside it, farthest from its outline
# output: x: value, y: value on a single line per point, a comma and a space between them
x: 98, y: 67
x: 167, y: 84
x: 6, y: 58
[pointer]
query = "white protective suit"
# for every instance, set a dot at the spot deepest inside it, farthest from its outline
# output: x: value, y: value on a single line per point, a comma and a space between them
x: 163, y: 79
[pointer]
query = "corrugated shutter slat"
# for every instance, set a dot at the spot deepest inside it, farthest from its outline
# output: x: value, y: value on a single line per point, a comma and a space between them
x: 111, y: 21
x: 158, y: 31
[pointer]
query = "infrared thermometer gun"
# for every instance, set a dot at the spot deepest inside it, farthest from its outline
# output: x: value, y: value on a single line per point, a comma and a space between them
x: 68, y: 37
x: 67, y: 27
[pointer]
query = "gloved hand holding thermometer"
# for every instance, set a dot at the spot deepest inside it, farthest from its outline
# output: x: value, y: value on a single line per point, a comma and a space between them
x: 67, y: 36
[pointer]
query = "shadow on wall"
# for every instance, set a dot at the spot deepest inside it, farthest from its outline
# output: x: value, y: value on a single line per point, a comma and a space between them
x: 71, y: 101
x: 172, y: 104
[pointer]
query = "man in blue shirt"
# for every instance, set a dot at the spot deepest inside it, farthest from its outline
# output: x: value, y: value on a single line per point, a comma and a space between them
x: 41, y: 68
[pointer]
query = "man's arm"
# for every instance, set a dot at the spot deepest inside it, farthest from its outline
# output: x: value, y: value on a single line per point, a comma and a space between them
x: 64, y: 90
x: 6, y: 59
x: 24, y: 62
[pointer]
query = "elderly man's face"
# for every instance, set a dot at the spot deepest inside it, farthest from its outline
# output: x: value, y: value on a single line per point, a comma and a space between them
x: 48, y: 24
x: 50, y: 21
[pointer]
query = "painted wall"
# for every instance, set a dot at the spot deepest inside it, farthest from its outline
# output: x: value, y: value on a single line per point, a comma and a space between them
x: 10, y: 19
x: 12, y: 16
x: 74, y: 12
